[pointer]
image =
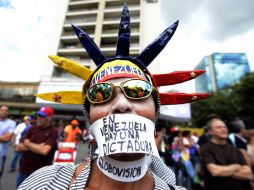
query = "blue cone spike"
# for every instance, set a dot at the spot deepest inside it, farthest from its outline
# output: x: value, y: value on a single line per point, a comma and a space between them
x: 153, y: 49
x: 123, y: 42
x: 91, y: 48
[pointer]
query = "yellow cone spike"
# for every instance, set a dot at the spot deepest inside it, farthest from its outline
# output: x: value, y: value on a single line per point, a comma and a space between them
x: 71, y: 67
x: 63, y: 97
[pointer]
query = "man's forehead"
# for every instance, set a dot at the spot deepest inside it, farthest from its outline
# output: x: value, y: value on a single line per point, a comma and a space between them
x: 218, y: 123
x: 117, y: 80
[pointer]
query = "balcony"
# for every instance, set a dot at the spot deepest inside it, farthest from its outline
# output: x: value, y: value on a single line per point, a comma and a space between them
x: 83, y: 5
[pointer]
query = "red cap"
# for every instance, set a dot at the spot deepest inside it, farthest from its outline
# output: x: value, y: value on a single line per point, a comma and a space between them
x: 45, y: 111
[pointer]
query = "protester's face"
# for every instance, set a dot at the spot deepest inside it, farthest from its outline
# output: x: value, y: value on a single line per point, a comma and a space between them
x: 74, y: 126
x: 4, y: 112
x: 218, y: 129
x: 27, y: 122
x: 120, y: 104
x: 43, y: 121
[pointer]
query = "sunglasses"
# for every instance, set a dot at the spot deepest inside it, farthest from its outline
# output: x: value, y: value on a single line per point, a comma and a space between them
x: 134, y: 89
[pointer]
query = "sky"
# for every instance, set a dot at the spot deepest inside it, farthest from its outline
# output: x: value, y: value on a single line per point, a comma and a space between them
x: 204, y: 27
x: 25, y: 27
x: 209, y: 26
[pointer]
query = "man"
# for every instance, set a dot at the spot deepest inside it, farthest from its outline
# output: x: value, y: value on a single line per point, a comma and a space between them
x: 38, y: 145
x: 19, y: 131
x: 224, y: 165
x: 121, y: 102
x: 72, y: 132
x: 7, y: 127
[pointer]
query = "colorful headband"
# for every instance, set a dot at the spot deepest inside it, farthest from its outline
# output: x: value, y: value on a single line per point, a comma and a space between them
x: 129, y: 66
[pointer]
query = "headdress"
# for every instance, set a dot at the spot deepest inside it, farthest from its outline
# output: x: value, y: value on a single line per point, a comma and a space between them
x: 141, y: 61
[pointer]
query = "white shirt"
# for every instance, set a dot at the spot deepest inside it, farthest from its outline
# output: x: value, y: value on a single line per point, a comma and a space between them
x: 18, y: 131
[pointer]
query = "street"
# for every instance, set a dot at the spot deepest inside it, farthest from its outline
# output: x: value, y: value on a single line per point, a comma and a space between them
x: 8, y: 180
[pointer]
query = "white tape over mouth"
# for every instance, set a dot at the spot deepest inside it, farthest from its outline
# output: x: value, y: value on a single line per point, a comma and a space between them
x: 124, y: 133
x: 124, y: 171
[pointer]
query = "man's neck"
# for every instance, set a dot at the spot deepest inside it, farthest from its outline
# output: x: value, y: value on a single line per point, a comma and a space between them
x: 46, y: 126
x: 219, y: 141
x: 3, y: 118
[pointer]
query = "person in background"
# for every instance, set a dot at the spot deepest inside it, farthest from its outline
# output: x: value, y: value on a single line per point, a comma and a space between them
x: 250, y: 148
x: 60, y: 129
x: 162, y: 142
x: 237, y: 137
x: 174, y: 142
x: 85, y: 135
x: 72, y: 132
x: 38, y: 145
x: 224, y: 165
x: 186, y: 146
x: 204, y: 138
x: 7, y: 127
x: 250, y: 151
x: 33, y: 121
x: 25, y: 125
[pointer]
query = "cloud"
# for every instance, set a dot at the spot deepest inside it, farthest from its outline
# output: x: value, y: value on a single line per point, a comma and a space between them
x: 218, y: 20
x: 229, y: 18
x: 23, y: 38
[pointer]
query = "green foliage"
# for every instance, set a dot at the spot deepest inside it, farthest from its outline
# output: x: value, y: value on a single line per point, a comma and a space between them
x: 235, y: 101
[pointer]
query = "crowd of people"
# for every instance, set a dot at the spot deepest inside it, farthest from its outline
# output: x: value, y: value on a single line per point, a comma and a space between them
x: 128, y: 149
x: 34, y: 141
x: 220, y: 158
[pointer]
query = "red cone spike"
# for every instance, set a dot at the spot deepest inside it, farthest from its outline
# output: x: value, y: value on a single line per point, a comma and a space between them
x: 175, y: 77
x: 171, y: 98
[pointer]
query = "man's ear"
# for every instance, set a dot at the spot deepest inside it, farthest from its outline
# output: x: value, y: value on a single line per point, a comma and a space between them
x: 50, y: 118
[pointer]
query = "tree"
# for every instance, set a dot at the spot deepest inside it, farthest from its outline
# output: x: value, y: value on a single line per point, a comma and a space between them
x: 235, y: 101
x: 243, y: 94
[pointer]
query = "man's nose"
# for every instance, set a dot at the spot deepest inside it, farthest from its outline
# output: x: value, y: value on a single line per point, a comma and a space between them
x: 120, y: 103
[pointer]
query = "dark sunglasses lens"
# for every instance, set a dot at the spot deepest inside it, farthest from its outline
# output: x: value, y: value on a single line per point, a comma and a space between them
x: 137, y: 89
x: 99, y: 93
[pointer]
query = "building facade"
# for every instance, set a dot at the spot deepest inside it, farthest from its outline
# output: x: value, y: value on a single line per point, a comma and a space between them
x: 222, y: 71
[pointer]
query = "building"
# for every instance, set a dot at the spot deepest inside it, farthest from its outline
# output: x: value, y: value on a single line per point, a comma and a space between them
x: 222, y: 70
x: 19, y: 96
